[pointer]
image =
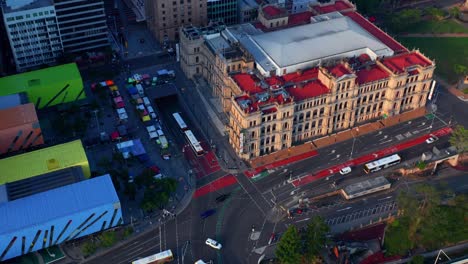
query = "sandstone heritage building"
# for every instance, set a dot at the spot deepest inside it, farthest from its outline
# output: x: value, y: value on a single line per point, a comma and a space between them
x: 290, y: 78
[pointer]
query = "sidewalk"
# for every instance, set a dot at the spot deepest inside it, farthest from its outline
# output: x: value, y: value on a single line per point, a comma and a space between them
x: 269, y: 160
x: 451, y: 89
x: 436, y: 35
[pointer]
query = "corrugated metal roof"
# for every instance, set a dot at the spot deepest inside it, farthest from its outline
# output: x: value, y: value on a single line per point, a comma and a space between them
x: 43, y: 161
x: 42, y: 207
x: 321, y: 40
x: 17, y: 116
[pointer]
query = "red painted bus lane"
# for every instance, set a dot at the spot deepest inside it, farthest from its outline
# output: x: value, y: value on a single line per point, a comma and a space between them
x: 370, y: 157
x: 279, y: 163
x: 215, y: 185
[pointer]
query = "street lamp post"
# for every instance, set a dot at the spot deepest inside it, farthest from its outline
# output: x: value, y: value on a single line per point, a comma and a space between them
x: 97, y: 121
x: 354, y: 141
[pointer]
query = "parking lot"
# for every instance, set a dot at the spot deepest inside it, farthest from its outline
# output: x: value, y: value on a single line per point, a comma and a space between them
x: 377, y: 210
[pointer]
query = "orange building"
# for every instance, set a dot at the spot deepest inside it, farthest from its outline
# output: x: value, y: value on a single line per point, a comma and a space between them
x: 20, y: 128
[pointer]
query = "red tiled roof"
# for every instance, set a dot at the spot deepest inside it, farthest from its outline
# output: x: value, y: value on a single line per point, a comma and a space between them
x: 299, y: 18
x: 275, y: 80
x: 399, y: 63
x: 338, y: 70
x: 370, y: 74
x: 272, y: 10
x: 364, y: 58
x: 311, y: 89
x: 365, y: 234
x: 269, y: 110
x: 337, y: 6
x: 303, y: 76
x: 413, y: 72
x: 376, y: 32
x: 247, y: 82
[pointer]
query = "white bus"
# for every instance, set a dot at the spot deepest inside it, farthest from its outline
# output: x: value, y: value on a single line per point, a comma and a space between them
x: 180, y: 121
x: 382, y: 163
x: 161, y: 257
x: 194, y: 143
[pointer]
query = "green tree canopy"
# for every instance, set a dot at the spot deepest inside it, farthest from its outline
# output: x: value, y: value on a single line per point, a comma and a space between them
x: 455, y: 12
x: 402, y: 19
x: 108, y: 238
x: 367, y: 7
x: 426, y: 222
x: 88, y: 248
x: 157, y: 195
x: 397, y: 240
x: 288, y: 250
x: 460, y: 70
x: 459, y: 139
x: 435, y: 13
x: 315, y: 237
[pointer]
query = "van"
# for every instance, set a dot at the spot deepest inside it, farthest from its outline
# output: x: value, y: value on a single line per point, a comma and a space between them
x: 152, y: 113
x: 140, y: 90
x: 160, y: 132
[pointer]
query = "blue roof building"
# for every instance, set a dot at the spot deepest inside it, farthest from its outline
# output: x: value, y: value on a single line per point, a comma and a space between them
x: 52, y: 217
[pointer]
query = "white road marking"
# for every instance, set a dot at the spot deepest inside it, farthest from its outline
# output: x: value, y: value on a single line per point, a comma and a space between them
x: 347, y: 208
x: 302, y: 220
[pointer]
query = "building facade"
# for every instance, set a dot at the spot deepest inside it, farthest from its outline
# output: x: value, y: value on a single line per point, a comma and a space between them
x: 164, y: 18
x: 20, y: 128
x: 46, y: 87
x: 277, y: 91
x: 225, y: 11
x: 248, y: 11
x: 58, y: 215
x: 33, y: 32
x: 82, y: 24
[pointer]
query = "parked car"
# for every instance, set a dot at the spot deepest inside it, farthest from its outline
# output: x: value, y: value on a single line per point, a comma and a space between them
x: 213, y: 243
x: 222, y: 197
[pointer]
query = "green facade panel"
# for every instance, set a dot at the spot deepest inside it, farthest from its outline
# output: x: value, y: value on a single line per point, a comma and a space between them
x: 46, y: 87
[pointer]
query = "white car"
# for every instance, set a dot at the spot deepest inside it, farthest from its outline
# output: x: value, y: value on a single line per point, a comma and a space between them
x: 345, y: 170
x: 431, y: 140
x: 213, y: 243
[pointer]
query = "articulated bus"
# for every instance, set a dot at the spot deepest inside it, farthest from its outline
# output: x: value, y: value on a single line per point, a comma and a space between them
x: 180, y: 121
x: 382, y: 163
x: 161, y: 257
x: 194, y: 143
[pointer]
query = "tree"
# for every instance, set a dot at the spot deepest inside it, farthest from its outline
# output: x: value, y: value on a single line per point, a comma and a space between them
x: 288, y: 250
x: 459, y: 139
x: 108, y: 238
x: 406, y: 17
x: 367, y: 7
x: 127, y: 232
x: 315, y: 237
x: 460, y: 70
x: 397, y: 240
x: 157, y: 194
x: 418, y: 259
x: 434, y: 13
x: 88, y: 248
x: 455, y: 12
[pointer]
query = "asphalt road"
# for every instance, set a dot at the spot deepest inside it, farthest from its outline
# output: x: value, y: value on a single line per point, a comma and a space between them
x: 253, y: 203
